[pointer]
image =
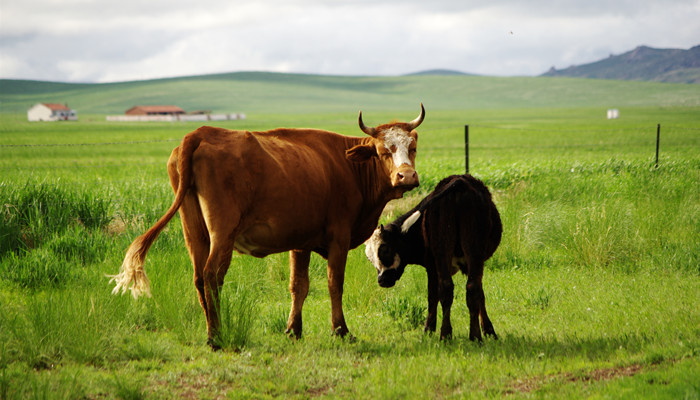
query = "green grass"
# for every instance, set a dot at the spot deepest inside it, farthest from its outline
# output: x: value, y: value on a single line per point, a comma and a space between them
x: 593, y: 291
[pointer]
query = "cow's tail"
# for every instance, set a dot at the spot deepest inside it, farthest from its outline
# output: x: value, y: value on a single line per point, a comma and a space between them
x: 132, y: 275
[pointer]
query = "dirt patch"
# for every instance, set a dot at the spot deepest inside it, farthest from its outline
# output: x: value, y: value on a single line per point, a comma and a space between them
x: 604, y: 374
x: 608, y: 374
x: 319, y: 391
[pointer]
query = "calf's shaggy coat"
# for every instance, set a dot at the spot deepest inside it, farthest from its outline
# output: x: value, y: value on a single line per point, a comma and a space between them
x: 456, y: 227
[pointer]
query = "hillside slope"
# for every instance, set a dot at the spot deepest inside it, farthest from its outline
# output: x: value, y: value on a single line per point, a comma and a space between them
x: 643, y: 63
x: 260, y: 92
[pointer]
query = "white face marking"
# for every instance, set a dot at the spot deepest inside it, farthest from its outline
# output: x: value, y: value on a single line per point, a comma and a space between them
x: 372, y: 252
x: 372, y: 248
x: 397, y: 140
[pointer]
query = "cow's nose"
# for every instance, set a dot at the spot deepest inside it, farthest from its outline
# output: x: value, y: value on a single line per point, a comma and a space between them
x: 407, y: 178
x: 402, y: 177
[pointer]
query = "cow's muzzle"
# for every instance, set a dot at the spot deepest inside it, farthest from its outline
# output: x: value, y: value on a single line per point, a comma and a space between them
x: 406, y: 176
x: 388, y: 278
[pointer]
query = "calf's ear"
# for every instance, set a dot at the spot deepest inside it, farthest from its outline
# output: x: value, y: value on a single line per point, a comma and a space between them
x: 360, y: 153
x: 408, y: 223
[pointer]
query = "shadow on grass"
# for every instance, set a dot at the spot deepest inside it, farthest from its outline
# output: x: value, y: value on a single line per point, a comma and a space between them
x: 508, y: 346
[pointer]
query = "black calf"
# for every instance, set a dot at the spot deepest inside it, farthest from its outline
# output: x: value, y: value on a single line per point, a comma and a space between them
x: 456, y: 227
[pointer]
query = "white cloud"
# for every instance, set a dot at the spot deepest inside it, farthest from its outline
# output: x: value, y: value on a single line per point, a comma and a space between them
x: 91, y: 40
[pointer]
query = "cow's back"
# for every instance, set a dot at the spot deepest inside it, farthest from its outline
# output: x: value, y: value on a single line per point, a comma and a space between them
x: 279, y: 189
x: 460, y: 211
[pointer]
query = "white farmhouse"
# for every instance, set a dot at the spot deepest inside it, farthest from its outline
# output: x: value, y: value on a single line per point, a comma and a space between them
x: 51, y: 112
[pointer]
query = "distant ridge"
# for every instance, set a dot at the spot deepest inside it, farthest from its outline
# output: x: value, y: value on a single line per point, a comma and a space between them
x: 641, y: 64
x: 278, y: 93
x: 449, y: 72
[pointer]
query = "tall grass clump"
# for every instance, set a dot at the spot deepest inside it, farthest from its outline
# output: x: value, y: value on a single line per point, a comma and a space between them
x: 408, y: 312
x: 56, y: 325
x: 32, y: 213
x: 602, y: 235
x: 47, y: 230
x: 609, y: 214
x: 238, y: 312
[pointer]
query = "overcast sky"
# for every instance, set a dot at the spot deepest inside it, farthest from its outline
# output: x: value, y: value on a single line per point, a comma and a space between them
x: 108, y: 41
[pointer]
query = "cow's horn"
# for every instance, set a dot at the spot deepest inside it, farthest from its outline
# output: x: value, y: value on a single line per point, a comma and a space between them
x: 368, y: 130
x: 414, y: 124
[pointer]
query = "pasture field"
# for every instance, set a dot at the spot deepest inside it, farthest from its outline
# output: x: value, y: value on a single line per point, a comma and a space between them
x: 594, y: 290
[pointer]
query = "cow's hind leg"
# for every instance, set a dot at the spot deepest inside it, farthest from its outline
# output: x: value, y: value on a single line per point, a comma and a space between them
x: 194, y: 229
x: 486, y: 324
x: 197, y: 240
x: 476, y: 302
x: 214, y: 273
x: 298, y: 288
x: 433, y: 298
x: 443, y: 259
x: 474, y: 305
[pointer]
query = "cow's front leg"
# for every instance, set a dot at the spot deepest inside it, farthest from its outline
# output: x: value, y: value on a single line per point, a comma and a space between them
x: 446, y: 296
x: 337, y: 256
x: 298, y: 288
x: 433, y: 298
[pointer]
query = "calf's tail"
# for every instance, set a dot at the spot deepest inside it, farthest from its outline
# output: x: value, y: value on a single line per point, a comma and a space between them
x: 132, y: 275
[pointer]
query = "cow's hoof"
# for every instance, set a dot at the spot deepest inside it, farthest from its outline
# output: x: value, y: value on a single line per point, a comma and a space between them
x: 292, y: 333
x: 347, y: 337
x: 344, y: 334
x: 214, y: 344
x: 476, y: 339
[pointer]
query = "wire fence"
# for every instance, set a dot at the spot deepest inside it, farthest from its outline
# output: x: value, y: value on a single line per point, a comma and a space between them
x: 638, y: 129
x: 646, y: 130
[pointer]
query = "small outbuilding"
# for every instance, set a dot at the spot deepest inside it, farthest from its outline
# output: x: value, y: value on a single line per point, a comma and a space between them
x: 51, y: 112
x: 155, y: 110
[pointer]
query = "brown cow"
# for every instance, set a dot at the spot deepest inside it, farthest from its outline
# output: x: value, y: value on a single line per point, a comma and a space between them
x: 296, y: 190
x: 456, y: 227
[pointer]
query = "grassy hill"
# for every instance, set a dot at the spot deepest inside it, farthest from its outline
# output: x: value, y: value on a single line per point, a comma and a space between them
x: 642, y: 63
x: 260, y: 92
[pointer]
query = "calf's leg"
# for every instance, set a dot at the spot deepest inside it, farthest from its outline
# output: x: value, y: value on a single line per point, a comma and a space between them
x: 446, y: 297
x: 474, y: 305
x: 476, y: 302
x: 433, y: 298
x: 486, y: 324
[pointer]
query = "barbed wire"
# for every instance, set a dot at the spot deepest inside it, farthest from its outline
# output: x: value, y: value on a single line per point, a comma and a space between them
x: 641, y: 128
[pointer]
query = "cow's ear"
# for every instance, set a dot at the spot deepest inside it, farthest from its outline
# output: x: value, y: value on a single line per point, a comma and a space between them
x: 361, y: 153
x: 408, y: 223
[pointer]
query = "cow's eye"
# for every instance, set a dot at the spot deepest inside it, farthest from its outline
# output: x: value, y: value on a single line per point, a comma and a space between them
x: 386, y: 255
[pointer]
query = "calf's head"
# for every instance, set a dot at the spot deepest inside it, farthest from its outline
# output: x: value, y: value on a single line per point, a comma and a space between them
x: 395, y: 145
x: 384, y: 250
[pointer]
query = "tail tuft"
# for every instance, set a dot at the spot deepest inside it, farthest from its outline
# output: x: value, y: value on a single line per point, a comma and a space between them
x: 132, y: 275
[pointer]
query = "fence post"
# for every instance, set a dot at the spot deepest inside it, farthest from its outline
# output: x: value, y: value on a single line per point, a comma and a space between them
x: 658, y: 137
x: 466, y: 147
